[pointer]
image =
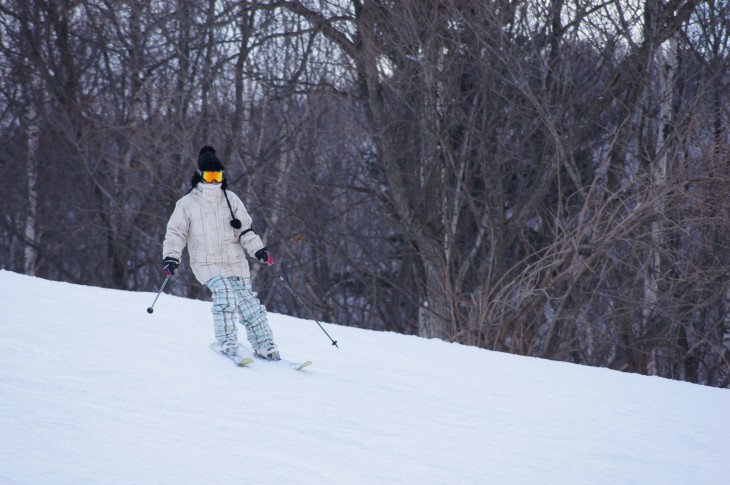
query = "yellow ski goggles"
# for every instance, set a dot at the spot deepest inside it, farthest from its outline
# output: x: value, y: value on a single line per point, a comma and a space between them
x: 209, y: 176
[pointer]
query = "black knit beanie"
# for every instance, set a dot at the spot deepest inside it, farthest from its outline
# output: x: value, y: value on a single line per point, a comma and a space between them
x: 207, y: 160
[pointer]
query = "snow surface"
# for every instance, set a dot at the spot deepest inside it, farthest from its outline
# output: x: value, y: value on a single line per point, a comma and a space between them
x: 95, y: 390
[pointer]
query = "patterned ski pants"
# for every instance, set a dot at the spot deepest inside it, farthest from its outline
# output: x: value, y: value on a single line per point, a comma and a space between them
x: 232, y: 298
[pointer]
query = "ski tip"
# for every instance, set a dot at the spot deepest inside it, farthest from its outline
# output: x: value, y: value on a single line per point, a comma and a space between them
x: 304, y: 364
x: 243, y: 362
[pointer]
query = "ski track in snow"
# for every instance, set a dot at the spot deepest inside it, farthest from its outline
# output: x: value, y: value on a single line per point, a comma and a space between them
x: 95, y: 390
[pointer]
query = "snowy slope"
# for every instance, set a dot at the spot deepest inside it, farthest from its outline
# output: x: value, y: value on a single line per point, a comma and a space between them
x: 95, y: 390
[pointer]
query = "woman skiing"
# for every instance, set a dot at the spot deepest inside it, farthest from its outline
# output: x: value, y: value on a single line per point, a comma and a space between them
x: 216, y: 228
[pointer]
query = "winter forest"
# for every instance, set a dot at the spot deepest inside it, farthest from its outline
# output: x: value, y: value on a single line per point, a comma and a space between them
x: 541, y: 177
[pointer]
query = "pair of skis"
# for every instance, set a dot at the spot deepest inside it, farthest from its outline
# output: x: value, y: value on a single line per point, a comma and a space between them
x: 242, y: 361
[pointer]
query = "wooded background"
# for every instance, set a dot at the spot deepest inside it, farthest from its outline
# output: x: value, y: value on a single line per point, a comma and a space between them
x: 547, y: 178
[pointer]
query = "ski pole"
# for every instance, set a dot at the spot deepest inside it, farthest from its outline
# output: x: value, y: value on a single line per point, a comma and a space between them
x: 150, y: 309
x: 291, y: 290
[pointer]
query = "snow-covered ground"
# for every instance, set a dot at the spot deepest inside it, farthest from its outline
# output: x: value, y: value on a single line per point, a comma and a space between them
x: 95, y: 390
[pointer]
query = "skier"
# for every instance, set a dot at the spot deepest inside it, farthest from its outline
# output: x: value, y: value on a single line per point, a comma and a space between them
x: 216, y: 228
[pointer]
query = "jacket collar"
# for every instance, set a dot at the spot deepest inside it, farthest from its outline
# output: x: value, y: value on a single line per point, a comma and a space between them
x: 208, y: 191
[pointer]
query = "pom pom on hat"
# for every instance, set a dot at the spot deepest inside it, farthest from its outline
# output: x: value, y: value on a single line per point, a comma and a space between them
x: 207, y: 160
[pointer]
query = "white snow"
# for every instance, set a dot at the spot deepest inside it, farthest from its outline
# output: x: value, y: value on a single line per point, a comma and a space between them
x: 95, y: 390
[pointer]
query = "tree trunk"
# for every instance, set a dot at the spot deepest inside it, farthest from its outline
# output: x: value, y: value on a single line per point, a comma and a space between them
x: 666, y: 61
x: 30, y: 254
x: 434, y: 321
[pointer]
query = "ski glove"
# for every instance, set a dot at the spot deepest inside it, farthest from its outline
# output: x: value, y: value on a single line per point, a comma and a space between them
x: 264, y: 256
x: 170, y: 265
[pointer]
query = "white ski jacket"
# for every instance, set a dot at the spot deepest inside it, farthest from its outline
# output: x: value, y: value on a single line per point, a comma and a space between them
x: 202, y: 221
